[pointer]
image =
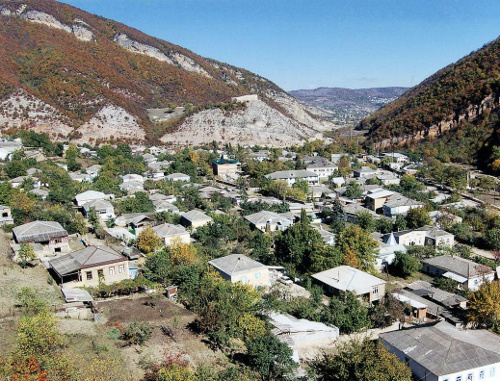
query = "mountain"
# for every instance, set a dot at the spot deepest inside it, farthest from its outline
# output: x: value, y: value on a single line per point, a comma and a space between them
x: 347, y: 106
x: 453, y: 113
x: 82, y: 77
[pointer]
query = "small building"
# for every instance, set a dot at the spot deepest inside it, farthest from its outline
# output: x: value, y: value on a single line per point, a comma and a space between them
x: 419, y: 309
x: 270, y: 221
x: 441, y: 352
x: 89, y: 266
x: 396, y: 157
x: 19, y: 181
x: 351, y: 211
x: 327, y: 236
x: 133, y: 177
x: 364, y: 171
x: 375, y: 200
x: 291, y: 176
x: 322, y: 167
x: 224, y: 167
x: 5, y: 216
x: 81, y: 177
x: 165, y: 206
x: 171, y: 234
x: 397, y: 204
x: 386, y: 250
x: 349, y: 279
x: 103, y: 208
x: 240, y: 268
x: 47, y: 237
x: 195, y: 219
x: 178, y: 177
x: 90, y: 195
x: 132, y: 187
x: 444, y: 298
x: 470, y: 275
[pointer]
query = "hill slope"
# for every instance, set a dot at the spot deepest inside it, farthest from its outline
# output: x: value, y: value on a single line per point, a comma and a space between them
x: 443, y: 104
x: 349, y: 106
x: 77, y: 75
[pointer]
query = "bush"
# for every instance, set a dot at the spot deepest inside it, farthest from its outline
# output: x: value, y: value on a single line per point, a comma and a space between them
x: 137, y: 333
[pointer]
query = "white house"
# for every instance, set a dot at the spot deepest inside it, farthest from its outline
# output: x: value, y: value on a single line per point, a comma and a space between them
x: 84, y: 197
x: 103, y: 208
x: 240, y: 268
x: 133, y: 177
x: 270, y: 221
x: 171, y: 234
x: 178, y: 177
x: 397, y: 204
x: 444, y: 353
x: 322, y: 167
x: 291, y: 176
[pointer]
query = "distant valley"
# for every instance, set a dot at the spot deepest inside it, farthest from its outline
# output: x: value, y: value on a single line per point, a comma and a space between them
x: 347, y: 106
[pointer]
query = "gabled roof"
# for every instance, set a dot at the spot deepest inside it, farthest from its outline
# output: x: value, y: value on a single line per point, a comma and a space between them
x: 225, y: 161
x: 196, y: 215
x: 291, y: 174
x: 347, y: 278
x: 39, y: 231
x: 398, y: 199
x: 90, y: 256
x: 236, y: 264
x: 460, y: 266
x: 174, y: 176
x: 264, y: 216
x: 446, y: 298
x: 443, y: 349
x: 169, y: 230
x: 90, y: 195
x: 97, y: 205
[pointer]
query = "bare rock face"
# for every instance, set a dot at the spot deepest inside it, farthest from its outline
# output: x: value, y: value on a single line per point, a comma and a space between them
x: 110, y: 122
x: 173, y: 58
x: 21, y: 110
x: 258, y: 123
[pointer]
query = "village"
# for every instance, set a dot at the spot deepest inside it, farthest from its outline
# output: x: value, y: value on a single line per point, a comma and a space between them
x: 337, y: 244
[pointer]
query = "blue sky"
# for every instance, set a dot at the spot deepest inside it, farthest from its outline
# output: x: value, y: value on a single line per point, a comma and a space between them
x: 304, y: 44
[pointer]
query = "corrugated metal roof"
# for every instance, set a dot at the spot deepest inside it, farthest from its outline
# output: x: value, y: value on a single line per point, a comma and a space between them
x: 236, y: 263
x: 39, y: 231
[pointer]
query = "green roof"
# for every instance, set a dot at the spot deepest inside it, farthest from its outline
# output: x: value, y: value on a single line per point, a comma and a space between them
x: 225, y: 161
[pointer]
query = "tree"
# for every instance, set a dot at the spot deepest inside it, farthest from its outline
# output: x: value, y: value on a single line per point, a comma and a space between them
x: 347, y: 313
x: 261, y: 245
x: 137, y: 333
x: 71, y: 155
x: 358, y: 247
x: 183, y: 254
x: 361, y: 361
x: 366, y: 220
x: 336, y: 215
x: 411, y: 184
x: 484, y: 306
x: 26, y: 254
x: 418, y: 217
x: 302, y: 185
x: 353, y: 190
x: 405, y: 265
x: 148, y: 241
x: 271, y: 358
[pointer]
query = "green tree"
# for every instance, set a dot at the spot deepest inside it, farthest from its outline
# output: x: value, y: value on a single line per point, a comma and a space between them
x: 137, y: 333
x: 366, y: 220
x: 361, y: 361
x: 353, y: 190
x: 418, y: 217
x: 271, y: 358
x: 148, y: 241
x: 71, y: 156
x: 14, y: 168
x: 26, y: 254
x: 484, y: 306
x: 347, y: 313
x: 358, y: 247
x: 405, y: 265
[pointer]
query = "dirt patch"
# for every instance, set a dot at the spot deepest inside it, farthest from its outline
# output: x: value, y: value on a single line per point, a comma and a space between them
x: 170, y: 315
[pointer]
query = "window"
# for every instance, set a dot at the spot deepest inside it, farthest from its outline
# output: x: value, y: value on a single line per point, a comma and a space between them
x: 89, y: 275
x: 459, y: 378
x: 112, y: 270
x: 469, y: 377
x: 375, y: 290
x: 243, y: 279
x: 100, y: 274
x: 121, y: 269
x: 57, y: 250
x: 481, y: 375
x: 492, y: 371
x: 257, y: 276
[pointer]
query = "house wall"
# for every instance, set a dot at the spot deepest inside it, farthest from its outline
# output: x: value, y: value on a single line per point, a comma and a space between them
x: 474, y: 283
x: 323, y: 172
x: 377, y: 293
x: 120, y: 273
x: 225, y: 169
x: 254, y: 278
x: 181, y: 238
x: 412, y: 238
x: 375, y: 203
x: 475, y: 374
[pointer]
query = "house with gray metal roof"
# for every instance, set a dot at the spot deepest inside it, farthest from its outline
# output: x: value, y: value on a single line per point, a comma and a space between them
x: 469, y: 274
x: 291, y: 176
x: 178, y: 177
x: 442, y: 352
x: 103, y: 208
x: 240, y: 268
x: 90, y: 265
x: 349, y: 279
x: 267, y: 221
x: 47, y: 237
x: 195, y: 219
x: 171, y: 233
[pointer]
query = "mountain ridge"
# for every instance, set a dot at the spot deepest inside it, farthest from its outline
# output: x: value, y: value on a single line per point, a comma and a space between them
x: 92, y: 71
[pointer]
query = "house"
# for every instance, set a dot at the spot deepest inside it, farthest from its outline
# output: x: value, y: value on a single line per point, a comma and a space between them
x: 302, y: 334
x: 133, y: 177
x: 439, y: 238
x: 364, y: 171
x: 397, y: 204
x: 396, y: 157
x: 318, y: 191
x: 418, y: 305
x: 388, y: 179
x: 441, y: 352
x: 5, y: 215
x: 93, y: 170
x: 470, y: 275
x: 224, y: 167
x: 239, y: 268
x: 335, y: 157
x: 327, y: 237
x: 81, y: 177
x: 444, y: 298
x: 351, y: 211
x: 178, y: 177
x: 87, y: 196
x: 338, y: 181
x: 349, y: 279
x: 43, y: 194
x: 425, y: 236
x: 89, y: 266
x: 267, y: 221
x: 386, y: 250
x: 165, y: 206
x: 47, y: 237
x: 195, y: 219
x: 156, y: 175
x: 259, y: 156
x: 375, y: 200
x: 18, y: 181
x: 291, y: 176
x: 322, y: 167
x: 170, y: 233
x: 132, y: 187
x: 37, y: 155
x: 103, y: 208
